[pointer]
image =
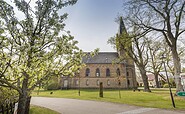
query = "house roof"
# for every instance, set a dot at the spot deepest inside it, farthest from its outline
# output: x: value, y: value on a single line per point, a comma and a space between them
x: 151, y: 77
x: 101, y: 57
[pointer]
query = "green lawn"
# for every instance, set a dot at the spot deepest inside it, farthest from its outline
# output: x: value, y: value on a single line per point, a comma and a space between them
x: 158, y: 98
x: 41, y: 110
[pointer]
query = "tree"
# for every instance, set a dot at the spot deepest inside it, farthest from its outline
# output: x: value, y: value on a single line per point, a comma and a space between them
x: 155, y: 65
x: 165, y: 18
x: 35, y: 46
x: 135, y: 48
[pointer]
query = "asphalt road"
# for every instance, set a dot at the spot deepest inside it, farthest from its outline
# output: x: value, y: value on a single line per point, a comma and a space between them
x: 74, y: 106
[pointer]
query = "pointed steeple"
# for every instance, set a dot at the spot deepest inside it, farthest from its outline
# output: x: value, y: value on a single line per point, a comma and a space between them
x: 121, y: 26
x: 122, y: 30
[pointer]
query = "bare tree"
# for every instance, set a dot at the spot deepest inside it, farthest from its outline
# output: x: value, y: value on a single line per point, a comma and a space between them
x: 165, y: 17
x: 155, y: 65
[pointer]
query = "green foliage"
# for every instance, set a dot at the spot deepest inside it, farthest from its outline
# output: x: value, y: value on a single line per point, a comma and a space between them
x: 7, y: 95
x: 36, y: 45
x: 53, y: 86
x: 183, y: 70
x: 52, y: 83
x: 132, y: 48
x: 165, y: 86
x: 172, y: 84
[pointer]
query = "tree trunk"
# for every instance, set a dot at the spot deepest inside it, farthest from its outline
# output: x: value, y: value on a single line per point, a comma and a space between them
x: 22, y: 104
x: 156, y: 79
x: 177, y: 67
x: 28, y: 105
x: 145, y: 79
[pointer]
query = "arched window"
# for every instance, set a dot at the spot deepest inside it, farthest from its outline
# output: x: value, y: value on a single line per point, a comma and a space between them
x: 107, y: 72
x: 87, y: 82
x: 108, y: 82
x: 98, y: 82
x: 128, y: 81
x: 97, y: 72
x: 118, y: 72
x: 87, y: 72
x: 77, y: 82
x: 127, y: 73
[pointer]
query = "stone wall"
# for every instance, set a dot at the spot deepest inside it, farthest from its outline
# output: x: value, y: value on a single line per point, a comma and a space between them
x: 92, y: 81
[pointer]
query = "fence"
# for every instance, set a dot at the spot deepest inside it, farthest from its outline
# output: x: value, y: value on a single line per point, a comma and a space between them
x: 7, y: 108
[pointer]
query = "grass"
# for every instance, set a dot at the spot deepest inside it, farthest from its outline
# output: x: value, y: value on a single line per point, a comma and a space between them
x: 41, y: 110
x: 158, y: 98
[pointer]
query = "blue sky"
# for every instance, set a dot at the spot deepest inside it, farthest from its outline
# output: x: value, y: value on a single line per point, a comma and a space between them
x: 92, y: 22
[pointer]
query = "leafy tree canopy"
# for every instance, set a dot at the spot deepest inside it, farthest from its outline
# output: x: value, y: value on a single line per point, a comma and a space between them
x: 34, y: 45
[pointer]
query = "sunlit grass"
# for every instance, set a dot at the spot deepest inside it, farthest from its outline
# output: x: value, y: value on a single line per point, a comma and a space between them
x: 158, y: 98
x: 41, y: 110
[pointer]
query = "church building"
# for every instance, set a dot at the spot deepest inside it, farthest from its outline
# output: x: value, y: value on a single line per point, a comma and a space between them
x: 104, y: 68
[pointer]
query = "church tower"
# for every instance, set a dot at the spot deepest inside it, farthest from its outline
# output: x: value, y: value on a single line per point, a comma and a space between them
x: 122, y: 28
x: 122, y: 31
x: 123, y: 39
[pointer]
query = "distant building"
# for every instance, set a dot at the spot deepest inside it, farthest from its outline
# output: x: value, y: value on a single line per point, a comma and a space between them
x: 151, y: 79
x: 183, y: 80
x: 104, y: 68
x: 152, y: 82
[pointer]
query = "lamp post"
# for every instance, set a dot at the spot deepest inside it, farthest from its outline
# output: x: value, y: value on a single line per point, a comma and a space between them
x: 172, y: 99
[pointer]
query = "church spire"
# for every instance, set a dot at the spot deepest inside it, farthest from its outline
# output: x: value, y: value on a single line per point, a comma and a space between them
x: 121, y: 26
x: 122, y: 31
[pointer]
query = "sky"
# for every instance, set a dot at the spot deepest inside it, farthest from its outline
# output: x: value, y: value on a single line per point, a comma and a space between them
x: 92, y: 23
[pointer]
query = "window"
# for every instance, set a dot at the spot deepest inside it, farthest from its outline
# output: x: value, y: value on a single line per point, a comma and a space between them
x: 77, y: 82
x: 118, y: 72
x: 108, y: 82
x: 87, y: 82
x: 97, y: 72
x: 107, y: 72
x: 127, y: 73
x: 128, y: 81
x: 98, y: 82
x: 87, y: 72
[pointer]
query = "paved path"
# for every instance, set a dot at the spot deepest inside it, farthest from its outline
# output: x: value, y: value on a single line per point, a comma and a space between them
x: 74, y: 106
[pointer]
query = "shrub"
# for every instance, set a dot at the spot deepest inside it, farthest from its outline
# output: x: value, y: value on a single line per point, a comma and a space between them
x: 7, y: 95
x: 172, y: 82
x: 165, y: 86
x: 53, y: 86
x: 161, y: 82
